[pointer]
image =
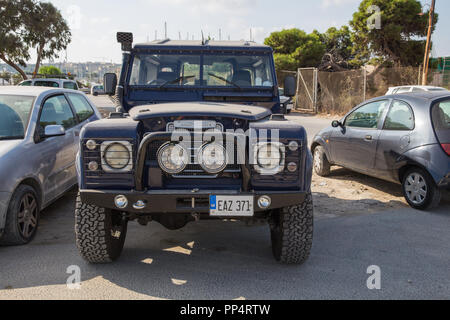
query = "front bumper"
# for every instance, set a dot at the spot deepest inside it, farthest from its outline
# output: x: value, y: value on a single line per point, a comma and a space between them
x: 183, y: 201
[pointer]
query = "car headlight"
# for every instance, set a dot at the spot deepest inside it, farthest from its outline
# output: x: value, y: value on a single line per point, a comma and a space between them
x: 212, y: 158
x: 172, y: 158
x: 116, y: 156
x: 270, y: 157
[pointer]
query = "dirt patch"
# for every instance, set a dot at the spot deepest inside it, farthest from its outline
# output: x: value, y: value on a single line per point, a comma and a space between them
x: 346, y: 192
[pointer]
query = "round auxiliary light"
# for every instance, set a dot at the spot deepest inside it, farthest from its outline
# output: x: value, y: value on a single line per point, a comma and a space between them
x: 91, y: 144
x: 121, y: 201
x: 117, y: 156
x: 93, y: 166
x: 212, y: 158
x: 264, y: 202
x: 269, y: 156
x: 172, y: 158
x: 292, y: 166
x: 293, y: 145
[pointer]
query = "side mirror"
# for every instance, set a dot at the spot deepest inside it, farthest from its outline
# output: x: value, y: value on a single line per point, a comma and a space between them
x: 290, y: 86
x: 336, y: 124
x: 54, y: 131
x: 110, y: 83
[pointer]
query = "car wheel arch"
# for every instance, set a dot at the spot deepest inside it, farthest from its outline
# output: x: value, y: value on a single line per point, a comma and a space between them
x: 316, y: 144
x: 36, y: 186
x: 402, y: 171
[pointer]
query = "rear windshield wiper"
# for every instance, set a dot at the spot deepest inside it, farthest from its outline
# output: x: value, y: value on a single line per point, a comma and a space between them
x: 175, y: 81
x: 223, y: 79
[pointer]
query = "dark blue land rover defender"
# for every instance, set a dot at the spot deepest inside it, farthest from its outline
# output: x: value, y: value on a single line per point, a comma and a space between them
x: 197, y: 135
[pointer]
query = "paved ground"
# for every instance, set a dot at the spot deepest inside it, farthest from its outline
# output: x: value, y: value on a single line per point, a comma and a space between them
x: 228, y: 260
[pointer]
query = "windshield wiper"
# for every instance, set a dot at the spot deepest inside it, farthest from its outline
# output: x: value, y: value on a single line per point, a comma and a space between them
x: 175, y: 81
x: 223, y: 79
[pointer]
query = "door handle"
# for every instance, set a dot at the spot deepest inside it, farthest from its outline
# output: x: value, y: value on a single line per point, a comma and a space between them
x: 368, y: 138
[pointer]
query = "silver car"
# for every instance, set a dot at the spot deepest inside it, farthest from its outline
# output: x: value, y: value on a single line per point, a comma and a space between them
x: 39, y: 138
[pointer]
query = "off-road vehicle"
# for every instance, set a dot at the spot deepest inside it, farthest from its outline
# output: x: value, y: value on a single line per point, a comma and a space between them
x: 197, y: 135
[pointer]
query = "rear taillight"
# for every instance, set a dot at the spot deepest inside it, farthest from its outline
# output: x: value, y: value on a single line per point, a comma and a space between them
x: 446, y: 147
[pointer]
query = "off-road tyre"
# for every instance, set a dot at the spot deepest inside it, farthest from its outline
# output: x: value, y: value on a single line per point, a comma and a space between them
x: 100, y: 233
x: 291, y: 231
x: 432, y: 193
x: 322, y: 166
x: 16, y: 220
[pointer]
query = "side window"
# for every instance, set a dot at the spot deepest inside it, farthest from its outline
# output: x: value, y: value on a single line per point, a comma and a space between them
x: 25, y: 84
x: 82, y: 107
x: 51, y: 84
x: 56, y: 111
x: 400, y: 117
x: 367, y: 116
x: 70, y: 85
x: 415, y: 89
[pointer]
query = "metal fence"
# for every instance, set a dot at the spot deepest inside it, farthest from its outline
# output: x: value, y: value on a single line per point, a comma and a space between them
x: 338, y: 92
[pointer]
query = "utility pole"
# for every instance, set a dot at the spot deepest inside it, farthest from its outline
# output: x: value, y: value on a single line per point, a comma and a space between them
x: 426, y: 61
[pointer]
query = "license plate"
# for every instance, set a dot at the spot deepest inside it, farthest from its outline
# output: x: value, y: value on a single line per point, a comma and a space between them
x: 231, y: 206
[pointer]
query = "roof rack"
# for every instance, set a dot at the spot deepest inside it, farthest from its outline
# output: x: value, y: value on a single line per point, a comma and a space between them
x: 67, y: 76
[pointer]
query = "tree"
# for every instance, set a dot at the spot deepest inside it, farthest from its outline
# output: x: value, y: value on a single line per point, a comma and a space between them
x: 27, y: 24
x: 340, y: 53
x: 396, y: 41
x: 49, y: 70
x: 49, y: 32
x: 295, y: 48
x: 13, y: 50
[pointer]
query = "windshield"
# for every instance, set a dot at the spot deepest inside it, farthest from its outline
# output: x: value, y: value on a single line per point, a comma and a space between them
x: 184, y: 70
x: 51, y: 84
x: 15, y: 112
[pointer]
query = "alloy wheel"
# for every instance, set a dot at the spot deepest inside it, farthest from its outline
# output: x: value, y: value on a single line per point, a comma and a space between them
x: 416, y: 188
x: 317, y: 161
x: 28, y: 215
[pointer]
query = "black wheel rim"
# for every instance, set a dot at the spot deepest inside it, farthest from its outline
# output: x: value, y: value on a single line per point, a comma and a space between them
x: 27, y: 217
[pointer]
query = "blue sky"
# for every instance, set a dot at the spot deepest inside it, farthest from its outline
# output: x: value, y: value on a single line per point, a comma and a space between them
x: 95, y: 22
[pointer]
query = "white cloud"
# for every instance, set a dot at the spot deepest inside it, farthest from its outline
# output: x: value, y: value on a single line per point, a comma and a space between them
x: 334, y: 3
x: 237, y: 7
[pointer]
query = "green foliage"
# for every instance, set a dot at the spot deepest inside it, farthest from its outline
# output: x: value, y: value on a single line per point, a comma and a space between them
x: 396, y: 41
x: 295, y: 48
x: 26, y: 25
x: 49, y: 70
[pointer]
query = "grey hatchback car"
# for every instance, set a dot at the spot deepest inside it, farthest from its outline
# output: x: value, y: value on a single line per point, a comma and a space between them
x: 39, y: 140
x: 402, y: 138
